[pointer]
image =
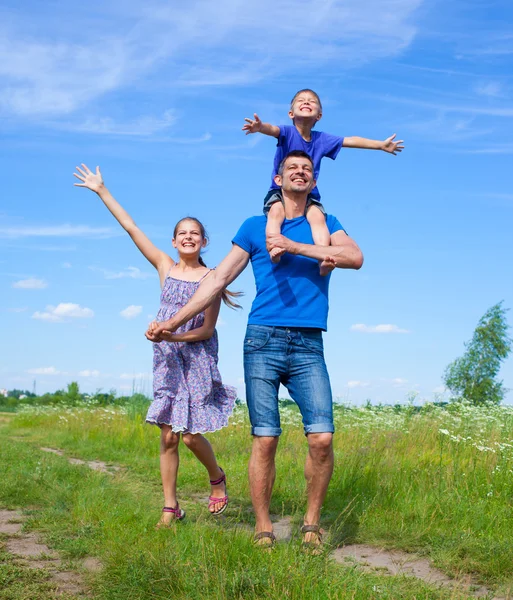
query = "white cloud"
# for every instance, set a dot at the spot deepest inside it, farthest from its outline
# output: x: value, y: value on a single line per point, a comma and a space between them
x: 58, y: 231
x: 130, y: 312
x: 17, y: 310
x: 490, y: 89
x: 88, y: 373
x: 63, y: 311
x: 62, y: 70
x: 355, y: 384
x: 44, y: 371
x: 66, y: 265
x: 129, y: 272
x: 142, y: 126
x: 134, y: 376
x: 385, y: 328
x: 30, y: 284
x: 398, y: 381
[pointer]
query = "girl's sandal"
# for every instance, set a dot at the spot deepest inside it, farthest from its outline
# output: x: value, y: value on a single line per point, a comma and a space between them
x: 179, y: 515
x: 313, y: 547
x: 212, y: 500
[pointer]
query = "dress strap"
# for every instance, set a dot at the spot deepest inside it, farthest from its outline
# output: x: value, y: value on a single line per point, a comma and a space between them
x: 209, y: 271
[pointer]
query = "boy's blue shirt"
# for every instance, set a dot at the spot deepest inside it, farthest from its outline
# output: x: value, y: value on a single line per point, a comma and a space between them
x: 290, y: 293
x: 321, y: 145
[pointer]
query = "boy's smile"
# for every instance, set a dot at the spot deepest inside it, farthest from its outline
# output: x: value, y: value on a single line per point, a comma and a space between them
x: 306, y: 106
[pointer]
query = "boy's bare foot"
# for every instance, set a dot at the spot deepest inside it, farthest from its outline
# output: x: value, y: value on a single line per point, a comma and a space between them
x: 327, y: 266
x: 276, y: 254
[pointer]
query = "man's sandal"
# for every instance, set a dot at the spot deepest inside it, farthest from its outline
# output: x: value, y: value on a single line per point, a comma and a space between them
x: 179, y: 515
x: 265, y: 540
x: 314, y: 547
x: 212, y: 500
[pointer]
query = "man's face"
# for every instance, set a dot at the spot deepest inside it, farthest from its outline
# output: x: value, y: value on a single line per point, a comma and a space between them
x: 297, y: 175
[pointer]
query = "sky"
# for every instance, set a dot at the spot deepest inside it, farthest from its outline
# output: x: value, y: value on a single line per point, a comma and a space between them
x: 156, y: 94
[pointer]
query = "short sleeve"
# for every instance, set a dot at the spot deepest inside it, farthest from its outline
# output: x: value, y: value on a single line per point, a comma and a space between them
x: 331, y: 145
x: 284, y: 138
x: 243, y: 237
x: 334, y: 224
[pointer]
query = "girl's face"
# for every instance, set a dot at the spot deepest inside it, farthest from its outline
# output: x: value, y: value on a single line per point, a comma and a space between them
x: 188, y: 239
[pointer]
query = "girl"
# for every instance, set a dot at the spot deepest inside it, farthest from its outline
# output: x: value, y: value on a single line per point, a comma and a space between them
x: 189, y: 396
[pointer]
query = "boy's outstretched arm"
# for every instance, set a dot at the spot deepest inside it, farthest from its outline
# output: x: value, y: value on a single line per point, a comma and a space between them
x: 256, y: 126
x: 390, y: 145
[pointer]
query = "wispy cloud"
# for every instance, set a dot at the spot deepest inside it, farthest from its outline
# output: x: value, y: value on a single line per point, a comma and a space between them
x: 30, y: 284
x: 89, y: 373
x: 131, y: 312
x: 384, y: 328
x: 64, y: 70
x: 44, y: 371
x: 490, y: 89
x: 129, y: 272
x: 139, y: 127
x: 134, y: 376
x: 62, y: 312
x: 357, y: 384
x: 84, y: 231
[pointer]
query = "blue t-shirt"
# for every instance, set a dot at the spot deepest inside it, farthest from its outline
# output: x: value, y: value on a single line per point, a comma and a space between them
x: 290, y: 293
x: 321, y: 145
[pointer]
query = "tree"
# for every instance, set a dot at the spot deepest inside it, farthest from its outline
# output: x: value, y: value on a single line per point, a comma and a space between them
x: 472, y: 377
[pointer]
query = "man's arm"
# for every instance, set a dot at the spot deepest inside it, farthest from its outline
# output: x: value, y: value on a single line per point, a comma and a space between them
x: 256, y: 126
x: 389, y: 145
x: 209, y: 289
x: 343, y: 249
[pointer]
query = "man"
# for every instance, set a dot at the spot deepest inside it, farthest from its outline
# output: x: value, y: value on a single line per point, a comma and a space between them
x: 283, y: 341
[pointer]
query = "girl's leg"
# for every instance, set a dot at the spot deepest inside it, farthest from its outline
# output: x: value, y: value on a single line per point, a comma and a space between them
x: 203, y: 451
x: 169, y: 461
x: 320, y: 234
x: 275, y: 218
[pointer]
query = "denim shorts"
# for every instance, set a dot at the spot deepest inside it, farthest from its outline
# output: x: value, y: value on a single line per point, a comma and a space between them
x: 274, y: 196
x: 293, y: 357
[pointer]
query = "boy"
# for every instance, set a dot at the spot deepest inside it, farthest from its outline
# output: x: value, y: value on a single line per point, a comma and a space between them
x: 305, y: 111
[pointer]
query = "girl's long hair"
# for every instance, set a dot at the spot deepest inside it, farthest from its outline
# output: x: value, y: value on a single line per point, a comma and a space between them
x: 227, y: 296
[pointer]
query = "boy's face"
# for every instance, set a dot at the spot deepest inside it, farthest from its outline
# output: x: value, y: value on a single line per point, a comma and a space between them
x: 305, y: 106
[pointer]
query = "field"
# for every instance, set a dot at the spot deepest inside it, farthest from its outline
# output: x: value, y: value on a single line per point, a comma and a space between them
x: 436, y: 481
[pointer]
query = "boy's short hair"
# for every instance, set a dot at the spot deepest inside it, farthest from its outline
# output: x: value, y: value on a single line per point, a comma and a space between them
x: 311, y: 92
x: 293, y: 153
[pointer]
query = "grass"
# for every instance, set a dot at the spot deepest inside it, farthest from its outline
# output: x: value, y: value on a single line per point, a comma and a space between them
x: 438, y: 481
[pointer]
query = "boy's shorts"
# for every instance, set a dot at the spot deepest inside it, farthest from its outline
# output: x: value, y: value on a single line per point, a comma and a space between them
x: 275, y: 196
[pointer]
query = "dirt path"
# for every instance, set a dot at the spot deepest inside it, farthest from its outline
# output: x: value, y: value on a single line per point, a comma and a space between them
x: 30, y: 552
x: 365, y: 557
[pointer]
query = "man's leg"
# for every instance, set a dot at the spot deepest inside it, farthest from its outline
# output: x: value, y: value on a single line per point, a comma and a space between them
x: 262, y: 473
x: 264, y: 361
x: 309, y: 386
x: 318, y: 472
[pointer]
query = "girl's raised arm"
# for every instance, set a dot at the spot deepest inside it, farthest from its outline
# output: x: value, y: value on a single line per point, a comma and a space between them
x: 94, y: 181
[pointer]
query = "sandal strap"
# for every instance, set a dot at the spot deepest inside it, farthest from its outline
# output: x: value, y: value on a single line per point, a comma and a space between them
x: 311, y: 529
x: 169, y: 509
x: 220, y: 480
x: 214, y: 500
x: 264, y: 534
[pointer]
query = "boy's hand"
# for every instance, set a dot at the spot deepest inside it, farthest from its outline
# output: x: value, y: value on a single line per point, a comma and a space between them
x: 92, y: 181
x: 392, y: 146
x: 252, y: 125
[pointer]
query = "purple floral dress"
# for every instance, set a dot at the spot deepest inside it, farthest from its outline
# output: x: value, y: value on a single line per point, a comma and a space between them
x: 188, y: 393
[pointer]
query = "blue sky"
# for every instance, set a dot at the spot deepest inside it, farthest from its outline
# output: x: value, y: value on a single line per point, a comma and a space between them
x: 156, y: 94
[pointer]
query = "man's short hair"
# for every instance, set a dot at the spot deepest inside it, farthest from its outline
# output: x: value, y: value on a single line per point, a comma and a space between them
x: 294, y: 153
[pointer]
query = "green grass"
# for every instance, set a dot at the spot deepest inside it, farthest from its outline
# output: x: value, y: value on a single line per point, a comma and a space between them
x: 439, y: 482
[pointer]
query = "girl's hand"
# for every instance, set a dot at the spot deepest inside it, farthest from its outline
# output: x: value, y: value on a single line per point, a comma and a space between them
x: 252, y: 125
x: 92, y: 181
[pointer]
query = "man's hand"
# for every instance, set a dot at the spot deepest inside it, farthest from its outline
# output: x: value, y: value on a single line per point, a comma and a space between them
x: 157, y: 332
x: 276, y: 240
x: 252, y: 125
x: 392, y: 146
x: 90, y: 180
